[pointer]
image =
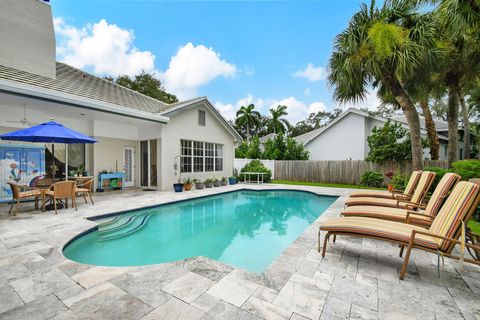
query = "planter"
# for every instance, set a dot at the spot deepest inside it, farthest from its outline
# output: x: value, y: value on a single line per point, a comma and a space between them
x: 187, y: 186
x: 178, y: 187
x: 208, y: 185
x: 390, y: 187
x: 232, y: 181
x: 223, y: 183
x: 216, y: 183
x: 200, y: 185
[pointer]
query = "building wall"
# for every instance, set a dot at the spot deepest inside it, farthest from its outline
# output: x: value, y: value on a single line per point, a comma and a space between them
x: 344, y: 140
x: 27, y: 37
x: 184, y: 125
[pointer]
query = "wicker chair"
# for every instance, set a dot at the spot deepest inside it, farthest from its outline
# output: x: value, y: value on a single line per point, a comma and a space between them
x: 85, y: 188
x: 18, y: 195
x: 62, y: 190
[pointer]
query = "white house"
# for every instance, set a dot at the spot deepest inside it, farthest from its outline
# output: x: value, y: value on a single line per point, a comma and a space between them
x: 136, y: 134
x: 346, y: 137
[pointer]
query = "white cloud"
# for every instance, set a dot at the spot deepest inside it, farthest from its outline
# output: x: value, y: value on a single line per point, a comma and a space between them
x: 297, y: 110
x: 312, y: 73
x: 229, y: 110
x: 192, y: 67
x: 106, y: 48
x: 371, y: 102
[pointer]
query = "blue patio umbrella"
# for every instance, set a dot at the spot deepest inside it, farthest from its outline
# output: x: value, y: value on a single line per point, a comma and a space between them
x: 49, y: 132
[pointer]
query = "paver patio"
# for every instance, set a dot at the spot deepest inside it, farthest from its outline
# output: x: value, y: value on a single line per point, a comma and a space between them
x: 358, y: 278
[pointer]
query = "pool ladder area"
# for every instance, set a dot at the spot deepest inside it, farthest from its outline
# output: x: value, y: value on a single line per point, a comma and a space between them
x: 120, y: 227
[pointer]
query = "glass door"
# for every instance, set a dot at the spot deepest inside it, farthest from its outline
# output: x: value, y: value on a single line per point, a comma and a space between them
x: 128, y: 166
x: 148, y: 163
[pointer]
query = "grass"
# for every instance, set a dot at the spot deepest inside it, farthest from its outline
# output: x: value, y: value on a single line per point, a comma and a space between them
x: 321, y: 184
x: 474, y: 225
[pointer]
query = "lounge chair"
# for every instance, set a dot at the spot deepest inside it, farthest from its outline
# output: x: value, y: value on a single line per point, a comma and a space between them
x: 420, y: 217
x: 62, y: 190
x: 441, y: 237
x: 85, y: 188
x: 394, y: 194
x: 18, y: 195
x: 424, y: 184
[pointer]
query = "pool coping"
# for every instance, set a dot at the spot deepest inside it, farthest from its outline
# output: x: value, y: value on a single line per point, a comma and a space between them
x: 277, y: 269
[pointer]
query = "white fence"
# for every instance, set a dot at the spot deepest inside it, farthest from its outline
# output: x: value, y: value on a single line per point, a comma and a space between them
x: 238, y: 164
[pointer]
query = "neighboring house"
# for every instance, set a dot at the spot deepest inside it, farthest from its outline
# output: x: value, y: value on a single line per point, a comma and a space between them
x: 346, y: 137
x: 136, y: 134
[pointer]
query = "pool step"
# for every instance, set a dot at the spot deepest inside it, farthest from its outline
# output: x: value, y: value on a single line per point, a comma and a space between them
x: 131, y: 225
x: 103, y: 225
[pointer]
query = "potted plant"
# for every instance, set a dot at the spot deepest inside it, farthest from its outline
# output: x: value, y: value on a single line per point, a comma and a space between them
x: 232, y: 180
x: 208, y: 183
x: 216, y: 182
x: 178, y: 187
x: 389, y: 175
x: 224, y: 181
x: 198, y: 184
x: 187, y: 184
x: 80, y: 170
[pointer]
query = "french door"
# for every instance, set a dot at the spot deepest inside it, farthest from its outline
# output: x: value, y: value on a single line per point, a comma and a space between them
x: 148, y: 163
x: 129, y: 166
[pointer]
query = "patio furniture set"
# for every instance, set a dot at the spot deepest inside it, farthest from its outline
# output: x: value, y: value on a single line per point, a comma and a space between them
x: 405, y: 219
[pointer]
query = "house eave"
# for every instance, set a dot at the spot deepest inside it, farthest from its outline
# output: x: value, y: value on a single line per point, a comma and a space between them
x: 30, y: 91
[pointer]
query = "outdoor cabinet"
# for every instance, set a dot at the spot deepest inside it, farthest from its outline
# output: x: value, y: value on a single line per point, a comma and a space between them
x: 23, y: 164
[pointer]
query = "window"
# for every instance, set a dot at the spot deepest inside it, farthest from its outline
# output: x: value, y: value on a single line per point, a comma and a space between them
x: 197, y: 156
x: 209, y: 157
x: 218, y: 157
x: 201, y: 118
x: 186, y: 156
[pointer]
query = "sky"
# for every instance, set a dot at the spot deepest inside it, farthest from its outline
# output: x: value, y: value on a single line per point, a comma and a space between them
x: 234, y: 52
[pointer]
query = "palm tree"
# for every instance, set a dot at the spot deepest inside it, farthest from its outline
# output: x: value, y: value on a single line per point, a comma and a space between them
x: 248, y: 117
x: 278, y: 123
x: 379, y: 48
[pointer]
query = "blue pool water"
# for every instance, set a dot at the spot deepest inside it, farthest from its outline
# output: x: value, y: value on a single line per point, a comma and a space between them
x: 247, y: 229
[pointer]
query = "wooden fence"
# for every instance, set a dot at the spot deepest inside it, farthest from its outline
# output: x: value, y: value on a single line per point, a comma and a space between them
x: 343, y: 171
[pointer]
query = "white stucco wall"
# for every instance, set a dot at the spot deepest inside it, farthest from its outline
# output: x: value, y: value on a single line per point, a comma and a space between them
x: 27, y: 37
x: 184, y: 125
x: 344, y: 140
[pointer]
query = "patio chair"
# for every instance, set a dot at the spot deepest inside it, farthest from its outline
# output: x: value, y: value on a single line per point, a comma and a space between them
x: 18, y: 195
x: 440, y: 238
x: 424, y: 184
x: 62, y: 190
x: 419, y: 217
x: 85, y: 188
x: 394, y: 194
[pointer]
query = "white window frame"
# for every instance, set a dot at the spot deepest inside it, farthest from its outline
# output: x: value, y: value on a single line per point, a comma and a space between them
x: 204, y: 157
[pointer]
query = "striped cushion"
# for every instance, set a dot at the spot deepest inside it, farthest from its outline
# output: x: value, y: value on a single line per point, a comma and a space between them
x: 423, y: 186
x: 30, y: 193
x: 370, y: 201
x: 392, y: 214
x: 412, y: 183
x: 386, y: 230
x: 441, y: 191
x: 453, y: 212
x: 376, y: 194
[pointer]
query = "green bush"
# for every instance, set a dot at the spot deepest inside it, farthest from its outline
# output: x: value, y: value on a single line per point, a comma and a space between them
x: 467, y: 169
x: 440, y: 173
x: 257, y: 166
x: 399, y: 181
x: 372, y: 179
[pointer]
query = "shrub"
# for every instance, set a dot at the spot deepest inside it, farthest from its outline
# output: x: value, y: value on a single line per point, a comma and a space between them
x: 467, y: 169
x: 257, y: 166
x: 399, y: 181
x: 372, y: 179
x: 440, y: 173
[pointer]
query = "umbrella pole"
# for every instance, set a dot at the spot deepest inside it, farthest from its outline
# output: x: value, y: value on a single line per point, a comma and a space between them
x: 53, y: 161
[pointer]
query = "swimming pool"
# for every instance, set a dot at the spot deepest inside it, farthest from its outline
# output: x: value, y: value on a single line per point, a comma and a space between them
x: 247, y: 229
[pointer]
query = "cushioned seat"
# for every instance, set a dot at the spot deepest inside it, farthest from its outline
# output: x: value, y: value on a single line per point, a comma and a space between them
x: 407, y: 193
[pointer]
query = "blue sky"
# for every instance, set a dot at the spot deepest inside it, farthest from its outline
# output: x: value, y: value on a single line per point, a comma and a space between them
x: 233, y: 52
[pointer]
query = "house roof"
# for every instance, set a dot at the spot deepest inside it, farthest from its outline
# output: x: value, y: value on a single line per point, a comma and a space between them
x: 76, y: 82
x: 306, y: 138
x: 267, y: 137
x: 440, y: 125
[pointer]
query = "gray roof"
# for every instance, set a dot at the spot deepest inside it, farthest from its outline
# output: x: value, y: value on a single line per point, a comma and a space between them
x: 307, y: 137
x: 440, y: 125
x: 74, y: 81
x: 267, y: 137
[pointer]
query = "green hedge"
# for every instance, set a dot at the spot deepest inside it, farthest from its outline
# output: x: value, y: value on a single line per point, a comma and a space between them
x: 372, y: 179
x: 256, y: 166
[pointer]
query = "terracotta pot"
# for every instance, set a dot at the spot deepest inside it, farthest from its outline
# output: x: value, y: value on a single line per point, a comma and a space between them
x: 187, y: 186
x: 390, y: 187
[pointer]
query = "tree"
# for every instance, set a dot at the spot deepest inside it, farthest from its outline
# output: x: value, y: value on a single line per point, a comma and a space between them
x: 389, y: 142
x: 247, y: 117
x: 284, y: 148
x: 379, y: 48
x: 146, y: 84
x: 278, y: 123
x: 314, y: 121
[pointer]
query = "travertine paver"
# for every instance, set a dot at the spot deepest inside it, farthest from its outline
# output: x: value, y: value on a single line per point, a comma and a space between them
x: 358, y: 278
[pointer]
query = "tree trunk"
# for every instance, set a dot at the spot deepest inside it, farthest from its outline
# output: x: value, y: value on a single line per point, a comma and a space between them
x: 431, y: 130
x: 413, y: 120
x: 248, y: 132
x: 452, y: 117
x: 466, y: 125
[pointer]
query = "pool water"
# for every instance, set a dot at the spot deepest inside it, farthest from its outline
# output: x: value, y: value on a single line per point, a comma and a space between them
x: 247, y: 229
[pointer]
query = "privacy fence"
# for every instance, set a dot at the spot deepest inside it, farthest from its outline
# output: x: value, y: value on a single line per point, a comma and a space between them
x: 343, y: 171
